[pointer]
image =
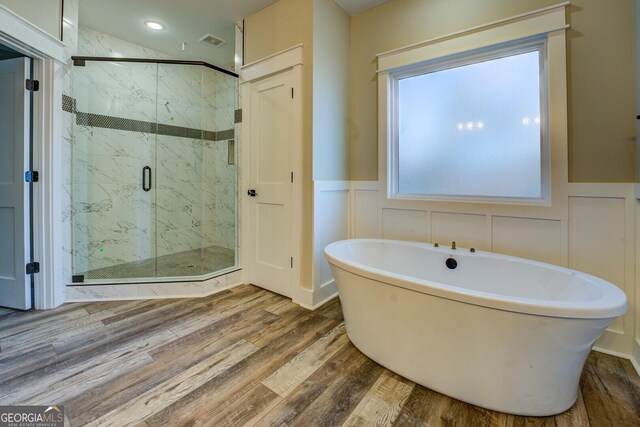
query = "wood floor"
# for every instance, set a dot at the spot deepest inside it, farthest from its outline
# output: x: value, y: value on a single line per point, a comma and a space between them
x: 245, y: 357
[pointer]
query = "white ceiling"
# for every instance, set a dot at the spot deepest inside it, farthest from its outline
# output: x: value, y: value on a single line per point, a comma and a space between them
x: 353, y: 7
x: 185, y: 21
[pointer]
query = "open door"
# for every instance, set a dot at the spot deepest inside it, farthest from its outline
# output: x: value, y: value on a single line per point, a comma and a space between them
x: 15, y: 283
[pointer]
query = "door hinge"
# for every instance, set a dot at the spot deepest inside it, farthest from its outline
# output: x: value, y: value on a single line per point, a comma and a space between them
x: 292, y: 177
x: 33, y: 85
x: 31, y: 176
x: 291, y: 93
x: 33, y: 267
x: 291, y: 262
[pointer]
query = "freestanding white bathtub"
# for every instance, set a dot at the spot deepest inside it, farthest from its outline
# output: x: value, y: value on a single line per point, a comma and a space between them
x: 500, y: 332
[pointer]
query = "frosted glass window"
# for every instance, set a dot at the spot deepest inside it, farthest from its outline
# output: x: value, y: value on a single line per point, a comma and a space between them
x: 473, y: 129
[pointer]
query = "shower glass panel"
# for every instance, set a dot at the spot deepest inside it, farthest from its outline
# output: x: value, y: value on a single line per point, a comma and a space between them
x: 154, y: 174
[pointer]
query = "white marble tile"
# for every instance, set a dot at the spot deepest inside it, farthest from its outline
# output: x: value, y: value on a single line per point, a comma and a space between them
x: 101, y: 292
x: 153, y: 290
x: 104, y: 239
x: 220, y: 283
x: 126, y: 90
x: 95, y: 43
x: 168, y: 290
x: 170, y: 241
x: 70, y: 27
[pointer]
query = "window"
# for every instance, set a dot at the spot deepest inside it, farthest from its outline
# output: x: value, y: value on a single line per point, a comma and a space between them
x: 472, y: 127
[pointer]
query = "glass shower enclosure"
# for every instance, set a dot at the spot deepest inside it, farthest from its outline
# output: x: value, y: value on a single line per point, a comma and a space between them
x: 154, y: 179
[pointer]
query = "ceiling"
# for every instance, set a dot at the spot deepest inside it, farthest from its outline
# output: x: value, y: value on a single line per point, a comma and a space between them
x: 184, y: 21
x: 353, y: 7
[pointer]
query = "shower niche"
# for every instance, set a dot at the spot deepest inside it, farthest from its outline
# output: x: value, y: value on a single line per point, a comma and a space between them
x: 154, y: 190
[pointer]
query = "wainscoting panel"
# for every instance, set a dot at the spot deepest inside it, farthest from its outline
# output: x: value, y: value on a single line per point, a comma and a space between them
x: 537, y: 239
x: 597, y: 240
x: 467, y: 230
x: 602, y: 236
x: 331, y: 223
x: 402, y: 224
x: 635, y: 304
x: 365, y: 208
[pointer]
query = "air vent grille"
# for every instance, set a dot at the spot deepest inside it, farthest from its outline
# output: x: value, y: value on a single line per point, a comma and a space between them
x: 212, y: 40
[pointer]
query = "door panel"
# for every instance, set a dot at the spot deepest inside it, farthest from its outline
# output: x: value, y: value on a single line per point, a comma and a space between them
x: 113, y: 195
x: 271, y: 144
x: 15, y: 284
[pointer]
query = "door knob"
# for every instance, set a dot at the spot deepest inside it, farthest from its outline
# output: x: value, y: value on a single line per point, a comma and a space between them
x: 252, y: 193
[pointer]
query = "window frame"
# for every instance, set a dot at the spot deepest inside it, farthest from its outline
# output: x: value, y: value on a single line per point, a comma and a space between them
x: 537, y: 43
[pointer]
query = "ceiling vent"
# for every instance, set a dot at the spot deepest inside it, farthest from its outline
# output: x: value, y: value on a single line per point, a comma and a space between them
x: 212, y: 40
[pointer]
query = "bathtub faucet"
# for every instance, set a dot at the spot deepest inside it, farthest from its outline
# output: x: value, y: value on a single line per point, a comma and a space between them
x: 453, y: 245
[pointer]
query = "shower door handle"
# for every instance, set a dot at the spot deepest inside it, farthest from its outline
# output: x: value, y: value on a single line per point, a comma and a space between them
x: 146, y: 178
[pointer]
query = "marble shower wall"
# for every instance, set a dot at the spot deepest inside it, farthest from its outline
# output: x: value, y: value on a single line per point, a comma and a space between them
x: 95, y: 43
x: 220, y: 177
x: 193, y: 200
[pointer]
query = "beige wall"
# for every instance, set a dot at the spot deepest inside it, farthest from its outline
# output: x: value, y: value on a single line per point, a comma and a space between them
x: 636, y: 30
x: 600, y: 67
x: 46, y: 14
x: 282, y: 25
x: 331, y: 34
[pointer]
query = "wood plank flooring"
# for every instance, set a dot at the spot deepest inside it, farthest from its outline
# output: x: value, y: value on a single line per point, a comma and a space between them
x: 245, y: 357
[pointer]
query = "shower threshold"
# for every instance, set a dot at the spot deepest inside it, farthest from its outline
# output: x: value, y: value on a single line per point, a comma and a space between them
x: 196, y: 262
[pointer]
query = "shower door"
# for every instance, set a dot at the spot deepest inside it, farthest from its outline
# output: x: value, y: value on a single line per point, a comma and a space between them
x: 154, y: 178
x: 114, y: 159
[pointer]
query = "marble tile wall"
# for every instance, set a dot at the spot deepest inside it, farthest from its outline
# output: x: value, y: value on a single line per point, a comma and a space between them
x: 96, y: 43
x: 193, y: 204
x: 220, y: 189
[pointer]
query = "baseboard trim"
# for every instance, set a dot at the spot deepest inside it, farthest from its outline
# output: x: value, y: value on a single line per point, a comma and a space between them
x: 635, y: 355
x: 635, y: 364
x: 320, y: 304
x: 612, y: 353
x: 630, y: 358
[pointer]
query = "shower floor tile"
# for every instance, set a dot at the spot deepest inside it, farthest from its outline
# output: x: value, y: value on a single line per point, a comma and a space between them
x: 188, y: 263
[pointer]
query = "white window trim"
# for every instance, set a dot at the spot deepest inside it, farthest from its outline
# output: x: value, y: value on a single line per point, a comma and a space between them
x: 549, y: 22
x: 492, y: 52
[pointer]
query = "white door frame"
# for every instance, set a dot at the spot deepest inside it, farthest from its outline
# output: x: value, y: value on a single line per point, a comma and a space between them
x: 287, y: 59
x: 49, y: 55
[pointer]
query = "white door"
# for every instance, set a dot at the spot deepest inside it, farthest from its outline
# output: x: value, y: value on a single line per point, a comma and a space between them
x: 15, y: 284
x: 271, y: 140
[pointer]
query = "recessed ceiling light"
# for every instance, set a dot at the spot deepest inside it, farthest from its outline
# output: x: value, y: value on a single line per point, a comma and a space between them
x: 154, y: 25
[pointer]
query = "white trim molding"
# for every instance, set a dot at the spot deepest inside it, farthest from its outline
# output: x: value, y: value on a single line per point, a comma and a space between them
x: 272, y: 64
x: 47, y: 207
x: 21, y: 35
x: 49, y: 55
x: 534, y: 23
